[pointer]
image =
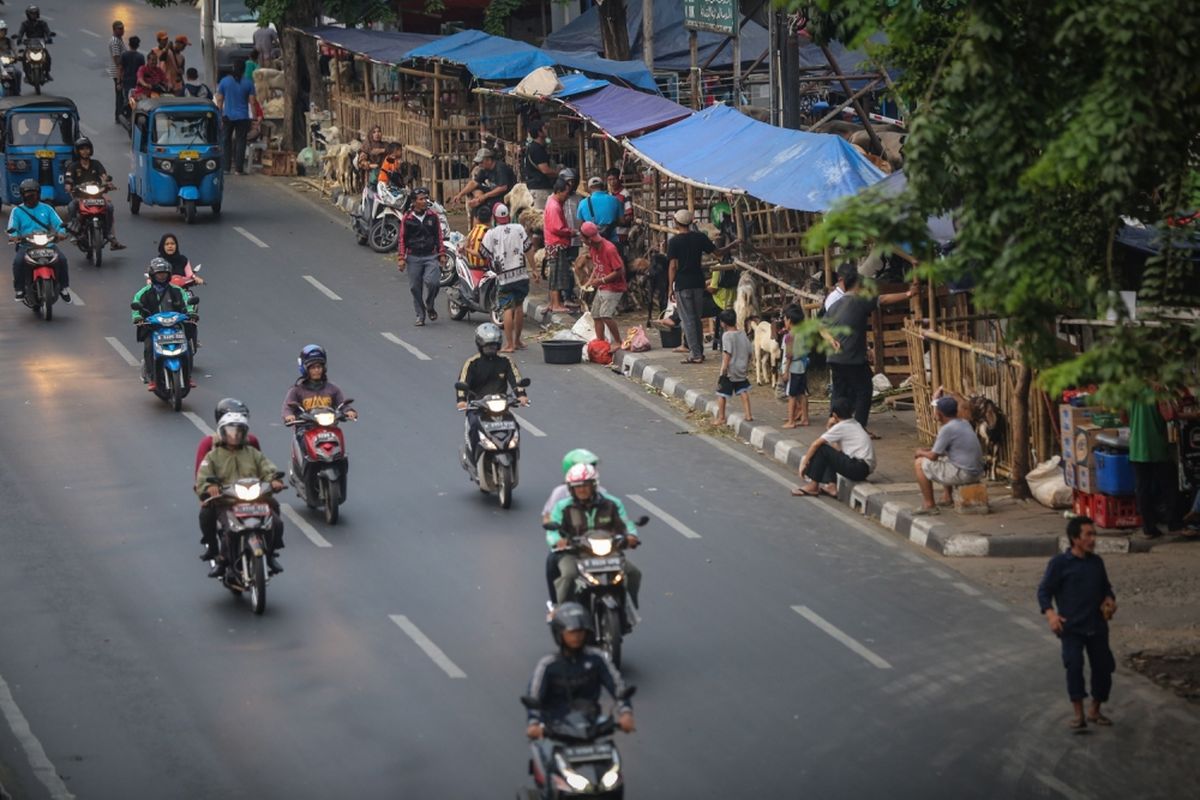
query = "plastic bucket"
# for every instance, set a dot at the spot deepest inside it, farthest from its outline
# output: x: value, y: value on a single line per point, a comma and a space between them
x: 563, y: 352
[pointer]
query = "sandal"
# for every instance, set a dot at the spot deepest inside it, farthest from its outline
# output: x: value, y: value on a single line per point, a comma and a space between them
x: 1099, y: 719
x: 1077, y: 724
x: 692, y: 361
x: 800, y: 491
x: 828, y: 493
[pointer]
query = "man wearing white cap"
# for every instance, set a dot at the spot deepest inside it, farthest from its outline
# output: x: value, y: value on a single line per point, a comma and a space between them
x: 685, y: 250
x: 491, y: 180
x: 505, y: 246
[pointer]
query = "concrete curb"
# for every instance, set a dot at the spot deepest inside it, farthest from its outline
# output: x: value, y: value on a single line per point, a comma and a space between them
x: 871, y: 500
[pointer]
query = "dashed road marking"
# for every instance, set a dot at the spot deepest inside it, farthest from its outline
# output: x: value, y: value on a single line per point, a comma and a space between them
x: 994, y: 605
x: 322, y: 288
x: 1028, y: 624
x: 394, y: 339
x: 87, y: 52
x: 966, y: 589
x: 301, y: 523
x: 199, y: 422
x: 425, y: 643
x: 664, y: 516
x: 250, y: 236
x: 913, y: 557
x: 529, y: 426
x: 843, y: 637
x: 123, y: 352
x: 86, y: 32
x: 42, y: 767
x: 938, y: 573
x: 76, y: 300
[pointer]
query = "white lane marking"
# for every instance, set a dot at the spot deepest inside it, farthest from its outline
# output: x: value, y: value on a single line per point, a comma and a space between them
x: 935, y: 571
x: 994, y: 605
x: 76, y: 300
x: 199, y: 422
x: 394, y: 339
x: 843, y: 637
x: 913, y: 557
x: 322, y: 288
x: 664, y: 516
x: 301, y: 523
x: 1028, y: 624
x: 426, y: 644
x: 88, y: 33
x: 1063, y: 789
x: 123, y: 352
x: 88, y: 53
x: 250, y: 236
x: 529, y: 426
x: 966, y: 589
x: 42, y: 767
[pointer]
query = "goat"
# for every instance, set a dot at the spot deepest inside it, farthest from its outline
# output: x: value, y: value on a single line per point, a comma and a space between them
x: 988, y: 421
x: 518, y: 199
x: 766, y: 353
x: 744, y: 304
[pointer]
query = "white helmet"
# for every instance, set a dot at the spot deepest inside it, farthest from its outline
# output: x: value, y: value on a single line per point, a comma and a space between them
x: 236, y: 420
x: 581, y: 474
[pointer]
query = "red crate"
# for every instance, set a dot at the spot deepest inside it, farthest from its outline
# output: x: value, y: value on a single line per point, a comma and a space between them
x: 1108, y: 511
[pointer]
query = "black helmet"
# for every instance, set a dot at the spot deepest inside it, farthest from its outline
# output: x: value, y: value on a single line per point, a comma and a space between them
x: 569, y: 617
x: 32, y: 13
x: 568, y: 174
x: 310, y: 354
x: 30, y: 185
x: 157, y: 267
x: 488, y: 335
x: 82, y: 142
x: 230, y: 405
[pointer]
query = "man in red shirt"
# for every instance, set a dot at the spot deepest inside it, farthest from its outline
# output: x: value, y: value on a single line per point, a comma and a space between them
x: 226, y: 406
x: 608, y: 279
x: 557, y: 235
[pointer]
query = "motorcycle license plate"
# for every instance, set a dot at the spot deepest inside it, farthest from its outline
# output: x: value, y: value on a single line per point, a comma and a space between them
x: 189, y: 154
x: 499, y: 425
x: 171, y: 337
x: 251, y: 510
x: 608, y: 564
x: 44, y: 154
x: 41, y: 252
x: 93, y: 204
x: 588, y: 752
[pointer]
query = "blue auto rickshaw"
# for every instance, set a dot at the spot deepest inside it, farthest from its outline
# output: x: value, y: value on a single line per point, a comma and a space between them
x: 176, y: 155
x: 38, y: 139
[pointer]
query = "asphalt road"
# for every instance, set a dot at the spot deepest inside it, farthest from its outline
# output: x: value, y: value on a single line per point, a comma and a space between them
x: 788, y: 649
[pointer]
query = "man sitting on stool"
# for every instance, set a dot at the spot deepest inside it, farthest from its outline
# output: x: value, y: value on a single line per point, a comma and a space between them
x: 956, y: 459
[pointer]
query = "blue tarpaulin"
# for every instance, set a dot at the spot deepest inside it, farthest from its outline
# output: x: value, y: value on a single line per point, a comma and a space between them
x: 941, y: 229
x: 619, y: 111
x: 632, y: 72
x: 387, y: 47
x: 492, y: 58
x: 724, y: 149
x: 572, y: 84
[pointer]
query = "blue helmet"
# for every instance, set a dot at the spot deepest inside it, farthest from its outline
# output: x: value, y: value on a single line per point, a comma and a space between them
x: 310, y: 354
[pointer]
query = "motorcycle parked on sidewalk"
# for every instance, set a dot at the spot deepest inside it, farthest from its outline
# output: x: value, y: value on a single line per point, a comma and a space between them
x: 494, y: 467
x: 9, y: 81
x: 41, y: 285
x: 319, y: 461
x: 171, y: 354
x: 600, y: 585
x: 472, y: 291
x: 576, y: 756
x: 34, y: 58
x: 454, y: 244
x: 244, y: 530
x: 89, y: 220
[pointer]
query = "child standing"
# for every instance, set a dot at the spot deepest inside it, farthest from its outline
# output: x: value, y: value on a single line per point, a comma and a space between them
x: 735, y: 364
x: 796, y: 368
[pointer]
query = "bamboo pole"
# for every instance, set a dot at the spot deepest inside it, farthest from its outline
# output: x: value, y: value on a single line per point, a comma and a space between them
x: 828, y: 258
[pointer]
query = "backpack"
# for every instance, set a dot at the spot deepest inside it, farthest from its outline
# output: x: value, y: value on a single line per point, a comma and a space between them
x: 608, y: 231
x: 599, y: 352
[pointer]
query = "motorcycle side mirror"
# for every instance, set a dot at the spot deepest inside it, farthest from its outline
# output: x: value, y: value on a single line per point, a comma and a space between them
x: 135, y: 306
x: 628, y: 692
x: 197, y: 268
x: 551, y: 526
x: 278, y: 476
x: 532, y: 703
x: 524, y: 382
x: 346, y: 402
x: 213, y: 479
x: 462, y: 387
x: 641, y: 521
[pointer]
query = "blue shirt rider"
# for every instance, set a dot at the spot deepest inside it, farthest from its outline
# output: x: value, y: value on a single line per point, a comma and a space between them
x: 33, y: 216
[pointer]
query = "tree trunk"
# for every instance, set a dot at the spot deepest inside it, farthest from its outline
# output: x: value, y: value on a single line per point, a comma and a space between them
x: 614, y: 30
x: 1020, y: 434
x: 294, y: 137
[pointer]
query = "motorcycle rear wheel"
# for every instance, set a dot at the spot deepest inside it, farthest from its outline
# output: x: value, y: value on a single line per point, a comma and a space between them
x: 258, y: 585
x: 457, y: 310
x: 384, y: 234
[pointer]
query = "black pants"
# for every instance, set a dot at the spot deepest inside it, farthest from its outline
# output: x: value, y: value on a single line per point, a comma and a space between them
x: 22, y: 273
x: 853, y: 382
x: 473, y: 435
x: 121, y: 104
x: 1074, y: 645
x: 552, y: 572
x: 211, y: 513
x: 235, y: 143
x: 829, y: 462
x: 1156, y: 485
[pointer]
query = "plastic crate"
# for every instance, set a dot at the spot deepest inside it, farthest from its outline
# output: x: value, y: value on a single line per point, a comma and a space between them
x: 1114, y: 473
x: 1108, y: 511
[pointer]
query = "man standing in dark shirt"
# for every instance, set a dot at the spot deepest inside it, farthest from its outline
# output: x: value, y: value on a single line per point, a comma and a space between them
x: 848, y: 365
x: 1077, y: 583
x: 490, y: 182
x: 684, y: 253
x: 536, y: 169
x: 131, y: 61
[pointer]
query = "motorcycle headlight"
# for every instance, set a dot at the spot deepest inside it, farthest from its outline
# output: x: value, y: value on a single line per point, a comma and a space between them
x: 166, y: 166
x: 487, y: 443
x: 91, y: 189
x: 6, y: 60
x: 601, y: 545
x: 496, y: 406
x: 590, y: 578
x: 35, y: 56
x: 40, y: 239
x: 576, y: 781
x: 210, y: 165
x: 247, y: 492
x: 609, y: 779
x: 325, y: 418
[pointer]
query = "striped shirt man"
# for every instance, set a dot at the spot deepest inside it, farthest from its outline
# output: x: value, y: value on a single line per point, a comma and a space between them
x: 116, y: 46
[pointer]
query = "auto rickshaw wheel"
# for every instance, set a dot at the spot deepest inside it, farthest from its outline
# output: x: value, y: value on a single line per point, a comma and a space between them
x: 135, y: 204
x: 216, y: 209
x: 189, y: 211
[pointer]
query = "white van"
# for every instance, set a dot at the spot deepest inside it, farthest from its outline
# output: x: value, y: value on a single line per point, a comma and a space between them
x: 234, y: 25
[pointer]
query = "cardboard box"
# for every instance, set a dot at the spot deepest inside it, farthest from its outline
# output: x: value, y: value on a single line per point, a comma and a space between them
x: 1071, y: 417
x: 1085, y: 478
x: 1068, y: 448
x: 1069, y: 474
x: 1085, y: 442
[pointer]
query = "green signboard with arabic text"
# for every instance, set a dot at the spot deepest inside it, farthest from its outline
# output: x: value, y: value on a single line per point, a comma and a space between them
x: 719, y: 16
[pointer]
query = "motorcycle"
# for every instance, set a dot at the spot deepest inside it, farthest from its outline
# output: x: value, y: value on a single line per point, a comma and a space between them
x: 8, y: 76
x: 41, y: 285
x: 89, y: 221
x: 576, y: 756
x: 188, y: 284
x: 454, y: 243
x: 600, y: 585
x: 319, y: 461
x: 172, y: 355
x: 383, y: 230
x: 34, y: 59
x: 471, y: 292
x: 245, y: 529
x: 495, y: 467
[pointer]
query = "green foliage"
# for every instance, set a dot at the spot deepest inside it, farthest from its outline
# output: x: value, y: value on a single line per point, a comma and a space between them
x: 306, y: 12
x: 1039, y: 124
x: 495, y: 19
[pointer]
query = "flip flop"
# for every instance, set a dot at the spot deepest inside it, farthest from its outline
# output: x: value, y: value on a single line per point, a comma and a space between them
x: 1099, y: 719
x: 828, y: 493
x: 1077, y: 724
x: 800, y: 491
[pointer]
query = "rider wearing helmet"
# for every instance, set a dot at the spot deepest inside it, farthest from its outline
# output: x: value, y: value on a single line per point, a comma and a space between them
x: 34, y: 27
x: 8, y: 48
x: 228, y: 461
x: 312, y: 389
x: 573, y: 675
x: 158, y: 295
x: 78, y: 173
x: 225, y: 406
x: 34, y: 216
x: 487, y: 372
x: 587, y: 508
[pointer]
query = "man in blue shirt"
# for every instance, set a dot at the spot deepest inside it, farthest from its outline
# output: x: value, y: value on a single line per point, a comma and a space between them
x: 601, y: 208
x: 34, y: 216
x: 1077, y: 583
x: 235, y: 96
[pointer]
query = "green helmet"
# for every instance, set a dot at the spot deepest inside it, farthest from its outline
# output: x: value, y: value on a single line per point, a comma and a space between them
x: 579, y: 456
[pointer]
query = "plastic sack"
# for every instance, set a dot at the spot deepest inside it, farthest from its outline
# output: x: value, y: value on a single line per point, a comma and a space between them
x: 585, y: 327
x: 1047, y: 485
x: 881, y: 383
x: 599, y: 352
x: 636, y: 340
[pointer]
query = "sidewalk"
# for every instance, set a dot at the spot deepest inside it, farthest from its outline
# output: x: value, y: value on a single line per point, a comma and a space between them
x: 890, y: 494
